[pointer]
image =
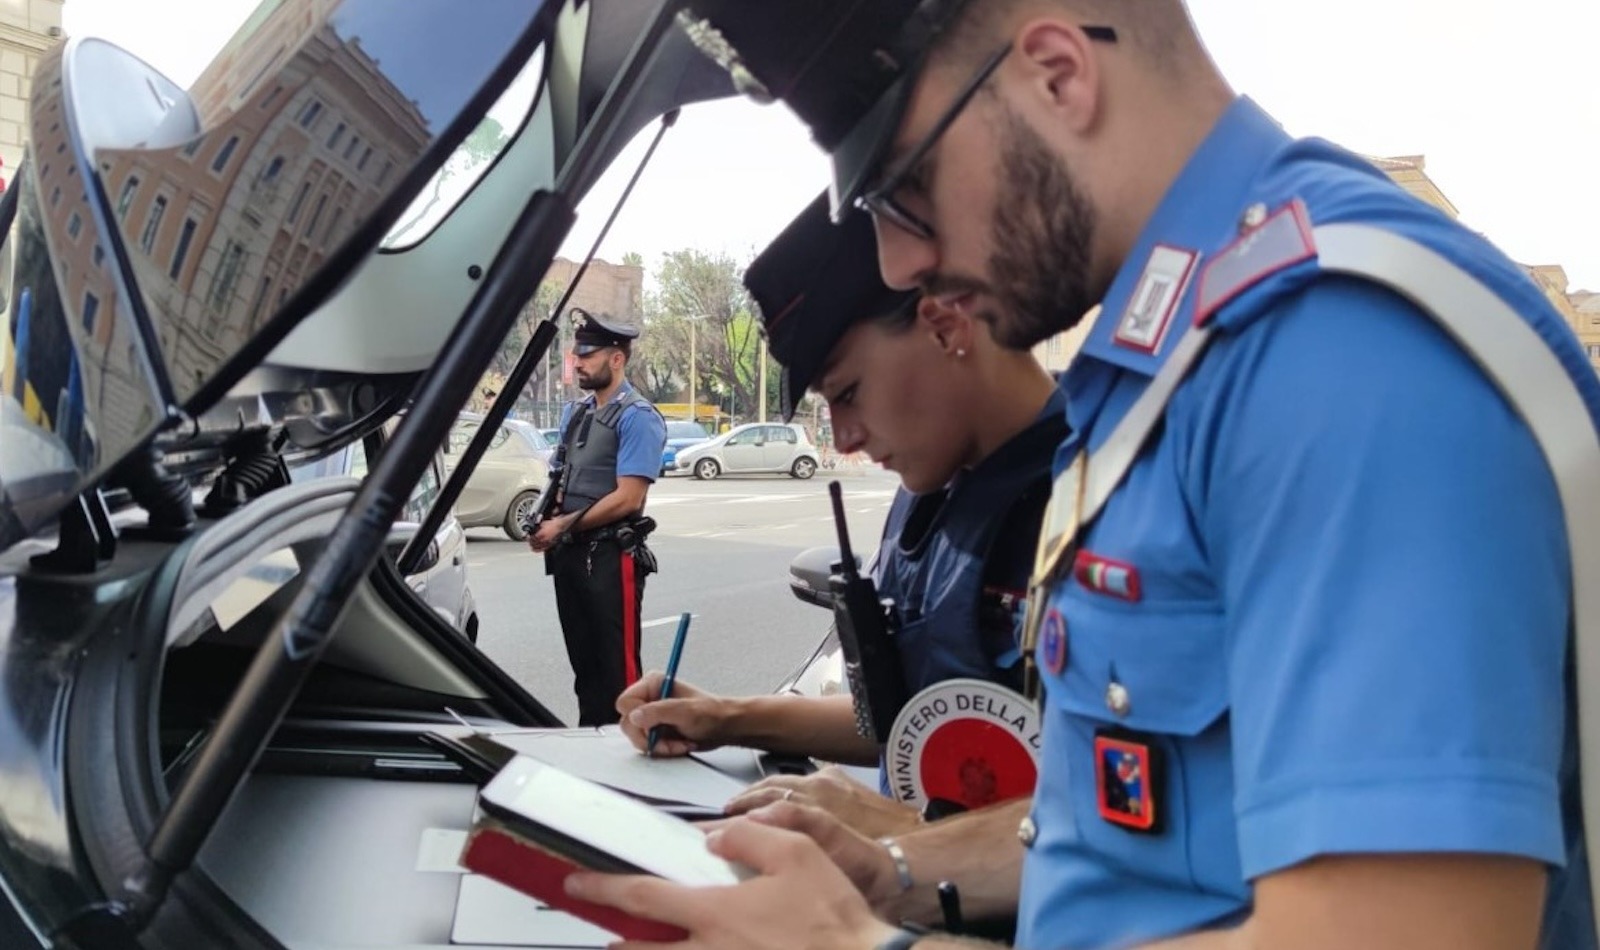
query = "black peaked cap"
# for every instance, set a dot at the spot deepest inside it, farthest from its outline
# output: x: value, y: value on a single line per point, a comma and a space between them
x: 846, y: 68
x: 812, y: 283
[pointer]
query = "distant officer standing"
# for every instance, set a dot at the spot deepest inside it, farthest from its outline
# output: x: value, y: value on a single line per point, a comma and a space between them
x: 594, y: 538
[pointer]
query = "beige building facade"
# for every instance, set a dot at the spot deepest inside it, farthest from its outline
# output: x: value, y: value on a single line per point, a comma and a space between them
x: 617, y: 289
x: 27, y: 29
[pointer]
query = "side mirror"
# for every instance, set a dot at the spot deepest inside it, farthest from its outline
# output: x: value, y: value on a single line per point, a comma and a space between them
x: 400, y: 535
x: 809, y: 573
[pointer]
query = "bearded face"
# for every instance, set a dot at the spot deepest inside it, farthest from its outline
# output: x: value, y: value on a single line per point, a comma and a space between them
x: 1042, y: 227
x: 597, y: 377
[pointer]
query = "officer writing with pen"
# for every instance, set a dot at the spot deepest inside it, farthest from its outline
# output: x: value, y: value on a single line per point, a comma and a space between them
x: 1308, y: 576
x: 969, y: 426
x: 593, y: 536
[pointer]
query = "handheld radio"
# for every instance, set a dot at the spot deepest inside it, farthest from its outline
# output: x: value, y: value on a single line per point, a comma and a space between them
x: 871, y: 658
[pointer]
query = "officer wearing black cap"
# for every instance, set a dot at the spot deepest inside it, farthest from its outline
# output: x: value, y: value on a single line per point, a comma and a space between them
x: 958, y: 543
x: 594, y: 538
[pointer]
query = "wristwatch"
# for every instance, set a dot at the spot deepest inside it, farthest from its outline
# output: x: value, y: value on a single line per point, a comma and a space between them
x: 902, y: 939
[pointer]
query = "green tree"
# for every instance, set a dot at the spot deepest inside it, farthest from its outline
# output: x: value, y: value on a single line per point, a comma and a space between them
x: 705, y: 289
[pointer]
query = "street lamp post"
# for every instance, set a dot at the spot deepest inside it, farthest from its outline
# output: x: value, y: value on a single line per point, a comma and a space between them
x: 761, y: 382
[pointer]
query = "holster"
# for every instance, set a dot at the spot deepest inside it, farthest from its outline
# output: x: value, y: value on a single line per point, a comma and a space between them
x: 630, y: 535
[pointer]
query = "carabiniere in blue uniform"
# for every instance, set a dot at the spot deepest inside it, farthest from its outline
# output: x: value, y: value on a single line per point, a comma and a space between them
x: 955, y: 562
x: 1326, y: 610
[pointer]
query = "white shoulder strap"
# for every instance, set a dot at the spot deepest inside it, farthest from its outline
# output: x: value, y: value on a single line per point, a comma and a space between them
x: 1513, y: 356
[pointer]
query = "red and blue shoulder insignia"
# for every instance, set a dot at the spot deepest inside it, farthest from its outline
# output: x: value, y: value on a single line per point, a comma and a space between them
x: 1268, y: 244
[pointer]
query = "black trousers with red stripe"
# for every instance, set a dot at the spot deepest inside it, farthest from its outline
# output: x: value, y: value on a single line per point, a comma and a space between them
x: 599, y: 596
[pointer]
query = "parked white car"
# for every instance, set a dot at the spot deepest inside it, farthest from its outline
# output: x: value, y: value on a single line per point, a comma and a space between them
x: 751, y: 448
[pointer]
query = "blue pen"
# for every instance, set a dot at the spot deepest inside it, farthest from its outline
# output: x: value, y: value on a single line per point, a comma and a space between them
x: 672, y: 674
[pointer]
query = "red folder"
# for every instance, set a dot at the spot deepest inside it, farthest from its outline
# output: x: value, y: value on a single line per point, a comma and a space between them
x: 496, y: 851
x: 537, y: 824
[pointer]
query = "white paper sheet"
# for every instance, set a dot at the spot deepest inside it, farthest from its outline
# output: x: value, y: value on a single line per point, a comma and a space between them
x: 606, y: 757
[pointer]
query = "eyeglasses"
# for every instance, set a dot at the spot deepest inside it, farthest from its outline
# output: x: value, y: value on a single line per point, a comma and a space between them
x: 880, y: 201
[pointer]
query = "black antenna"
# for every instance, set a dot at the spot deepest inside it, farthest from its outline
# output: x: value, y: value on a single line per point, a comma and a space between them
x: 847, y: 560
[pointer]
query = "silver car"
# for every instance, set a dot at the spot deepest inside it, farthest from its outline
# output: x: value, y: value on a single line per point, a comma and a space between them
x: 506, y: 484
x: 751, y: 448
x: 441, y: 577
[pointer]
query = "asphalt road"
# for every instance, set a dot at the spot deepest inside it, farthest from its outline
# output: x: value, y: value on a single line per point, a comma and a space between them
x: 724, y: 547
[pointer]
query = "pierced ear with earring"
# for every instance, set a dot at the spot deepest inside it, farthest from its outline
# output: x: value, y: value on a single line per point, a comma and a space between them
x: 960, y: 353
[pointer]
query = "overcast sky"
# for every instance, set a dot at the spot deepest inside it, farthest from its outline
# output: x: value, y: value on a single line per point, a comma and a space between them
x: 1503, y: 100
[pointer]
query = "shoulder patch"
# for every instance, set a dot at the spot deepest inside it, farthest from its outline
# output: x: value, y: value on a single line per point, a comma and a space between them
x: 1281, y: 240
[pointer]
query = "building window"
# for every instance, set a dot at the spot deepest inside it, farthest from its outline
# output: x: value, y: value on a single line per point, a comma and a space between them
x: 99, y: 257
x: 365, y: 157
x: 338, y: 133
x: 333, y: 224
x: 271, y: 96
x: 185, y: 236
x: 387, y: 168
x: 270, y: 173
x: 224, y: 153
x: 192, y: 147
x: 74, y: 225
x: 309, y: 113
x: 311, y: 226
x: 350, y: 149
x: 299, y: 199
x: 1594, y: 351
x: 125, y: 199
x: 91, y: 308
x: 227, y: 276
x: 261, y: 298
x: 152, y: 224
x: 55, y: 197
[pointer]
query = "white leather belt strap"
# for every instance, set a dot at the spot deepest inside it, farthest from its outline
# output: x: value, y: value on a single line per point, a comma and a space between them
x: 1111, y: 461
x: 1513, y: 356
x: 1533, y: 380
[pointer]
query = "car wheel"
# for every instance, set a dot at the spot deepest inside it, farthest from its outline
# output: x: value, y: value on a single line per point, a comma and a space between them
x: 707, y: 468
x: 518, y: 513
x: 803, y: 468
x: 471, y: 630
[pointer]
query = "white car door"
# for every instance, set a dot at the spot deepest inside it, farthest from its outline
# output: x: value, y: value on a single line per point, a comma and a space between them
x: 742, y: 451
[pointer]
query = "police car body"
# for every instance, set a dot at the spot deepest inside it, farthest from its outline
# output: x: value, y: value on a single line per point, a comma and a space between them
x: 258, y: 270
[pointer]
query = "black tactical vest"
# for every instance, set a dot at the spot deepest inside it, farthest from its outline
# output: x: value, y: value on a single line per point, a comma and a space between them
x: 591, y: 457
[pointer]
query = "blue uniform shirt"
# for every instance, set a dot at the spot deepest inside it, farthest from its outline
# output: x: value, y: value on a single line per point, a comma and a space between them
x: 641, y: 434
x: 1331, y: 595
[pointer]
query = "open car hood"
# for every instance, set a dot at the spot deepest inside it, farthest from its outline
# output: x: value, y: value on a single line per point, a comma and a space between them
x: 181, y: 267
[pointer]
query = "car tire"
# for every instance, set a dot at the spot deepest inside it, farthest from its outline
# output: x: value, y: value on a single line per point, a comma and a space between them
x: 517, y: 512
x: 707, y: 469
x: 803, y: 468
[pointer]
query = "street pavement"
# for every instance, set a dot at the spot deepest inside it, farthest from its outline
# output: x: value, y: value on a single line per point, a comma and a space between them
x: 724, y: 547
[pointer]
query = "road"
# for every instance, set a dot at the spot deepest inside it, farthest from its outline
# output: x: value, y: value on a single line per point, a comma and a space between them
x: 724, y: 548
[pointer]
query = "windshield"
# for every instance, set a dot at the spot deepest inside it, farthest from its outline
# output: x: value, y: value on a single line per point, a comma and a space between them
x: 471, y: 160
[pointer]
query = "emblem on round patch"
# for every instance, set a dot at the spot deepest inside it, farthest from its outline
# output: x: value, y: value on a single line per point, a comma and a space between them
x: 1053, y: 642
x: 966, y: 741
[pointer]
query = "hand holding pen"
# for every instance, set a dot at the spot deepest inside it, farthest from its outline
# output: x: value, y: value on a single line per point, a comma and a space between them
x: 671, y: 676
